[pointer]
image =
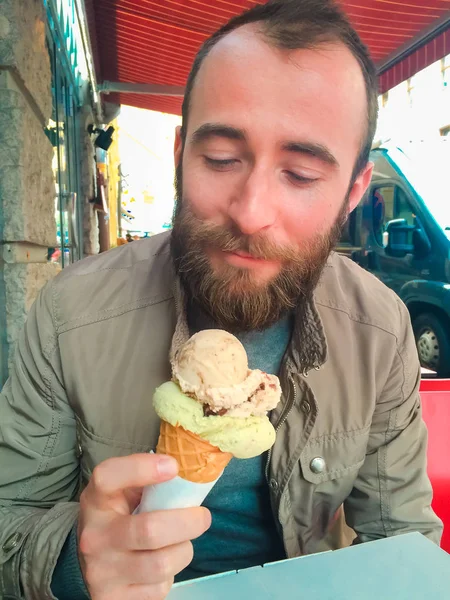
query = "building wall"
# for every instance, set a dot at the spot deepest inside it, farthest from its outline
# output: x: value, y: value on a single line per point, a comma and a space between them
x: 417, y: 109
x: 27, y: 188
x: 27, y: 192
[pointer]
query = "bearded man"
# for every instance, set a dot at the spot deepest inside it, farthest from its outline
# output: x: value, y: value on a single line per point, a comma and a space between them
x: 273, y: 154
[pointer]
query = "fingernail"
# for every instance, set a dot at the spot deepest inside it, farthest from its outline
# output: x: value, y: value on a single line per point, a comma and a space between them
x: 167, y: 466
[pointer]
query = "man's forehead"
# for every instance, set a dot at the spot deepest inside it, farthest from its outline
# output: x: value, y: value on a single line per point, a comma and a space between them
x: 250, y: 46
x: 245, y: 78
x: 245, y: 55
x: 241, y: 41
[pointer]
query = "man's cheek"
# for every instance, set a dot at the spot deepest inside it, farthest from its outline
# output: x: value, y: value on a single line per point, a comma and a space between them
x: 207, y: 205
x: 305, y: 227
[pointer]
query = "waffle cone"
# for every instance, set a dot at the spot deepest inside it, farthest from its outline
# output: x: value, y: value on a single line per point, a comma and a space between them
x: 199, y: 461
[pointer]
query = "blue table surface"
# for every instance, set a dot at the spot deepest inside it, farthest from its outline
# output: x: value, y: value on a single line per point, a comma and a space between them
x: 405, y: 567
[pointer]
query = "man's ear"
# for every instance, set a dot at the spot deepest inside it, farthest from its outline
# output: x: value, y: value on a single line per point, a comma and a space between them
x: 178, y: 146
x: 360, y: 186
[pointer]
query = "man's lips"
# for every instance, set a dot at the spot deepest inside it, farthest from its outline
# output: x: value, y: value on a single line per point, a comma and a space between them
x: 245, y: 255
x: 239, y: 258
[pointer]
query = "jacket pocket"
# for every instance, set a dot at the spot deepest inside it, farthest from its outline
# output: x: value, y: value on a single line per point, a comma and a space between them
x: 93, y: 449
x: 335, y: 455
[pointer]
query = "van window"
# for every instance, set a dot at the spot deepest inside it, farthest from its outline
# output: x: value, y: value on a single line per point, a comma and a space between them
x: 382, y: 209
x: 403, y: 208
x: 348, y: 235
x: 388, y: 203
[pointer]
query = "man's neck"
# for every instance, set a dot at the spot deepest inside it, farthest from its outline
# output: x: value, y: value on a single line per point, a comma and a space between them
x: 198, y: 319
x: 308, y: 338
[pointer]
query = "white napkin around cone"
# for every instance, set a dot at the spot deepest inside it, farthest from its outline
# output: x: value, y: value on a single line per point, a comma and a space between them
x: 175, y: 493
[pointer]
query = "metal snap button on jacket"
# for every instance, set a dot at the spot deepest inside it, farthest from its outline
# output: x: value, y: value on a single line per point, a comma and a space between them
x: 306, y: 406
x: 317, y: 465
x: 273, y: 484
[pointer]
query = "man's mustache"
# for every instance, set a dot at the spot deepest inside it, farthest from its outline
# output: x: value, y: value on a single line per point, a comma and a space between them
x: 227, y: 240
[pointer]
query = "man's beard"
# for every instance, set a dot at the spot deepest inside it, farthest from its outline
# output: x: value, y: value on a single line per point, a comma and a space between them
x: 232, y: 297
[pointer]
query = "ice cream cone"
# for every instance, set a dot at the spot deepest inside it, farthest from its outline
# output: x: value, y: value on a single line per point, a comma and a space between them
x: 199, y: 461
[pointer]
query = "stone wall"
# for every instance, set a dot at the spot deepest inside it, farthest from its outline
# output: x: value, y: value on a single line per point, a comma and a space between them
x: 27, y: 192
x: 27, y: 187
x: 23, y: 50
x: 22, y: 283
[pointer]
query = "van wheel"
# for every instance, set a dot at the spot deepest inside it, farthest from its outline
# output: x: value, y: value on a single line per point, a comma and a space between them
x: 433, y: 343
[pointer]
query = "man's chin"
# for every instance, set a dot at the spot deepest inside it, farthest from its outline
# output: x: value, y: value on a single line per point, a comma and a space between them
x: 243, y: 281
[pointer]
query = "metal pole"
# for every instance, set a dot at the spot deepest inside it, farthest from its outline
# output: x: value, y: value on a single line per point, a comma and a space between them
x: 141, y: 88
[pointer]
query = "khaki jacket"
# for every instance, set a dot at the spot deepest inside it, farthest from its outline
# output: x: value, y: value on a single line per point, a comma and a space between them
x: 95, y: 346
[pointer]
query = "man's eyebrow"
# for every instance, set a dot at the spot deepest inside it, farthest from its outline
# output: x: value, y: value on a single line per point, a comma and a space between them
x: 312, y: 149
x: 209, y: 130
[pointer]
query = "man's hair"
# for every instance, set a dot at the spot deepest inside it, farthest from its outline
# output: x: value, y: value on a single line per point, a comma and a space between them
x: 300, y: 24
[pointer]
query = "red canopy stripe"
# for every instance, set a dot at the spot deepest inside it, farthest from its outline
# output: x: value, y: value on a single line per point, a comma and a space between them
x: 155, y: 41
x: 415, y: 62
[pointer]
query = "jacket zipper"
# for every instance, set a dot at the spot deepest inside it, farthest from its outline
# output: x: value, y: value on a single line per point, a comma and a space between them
x: 79, y: 449
x: 175, y: 299
x: 284, y: 415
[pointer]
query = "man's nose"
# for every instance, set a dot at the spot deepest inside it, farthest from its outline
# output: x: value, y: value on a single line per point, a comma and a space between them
x: 253, y: 206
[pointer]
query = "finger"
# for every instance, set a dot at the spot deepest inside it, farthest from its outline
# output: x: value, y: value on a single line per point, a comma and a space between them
x: 111, y: 477
x: 143, y: 567
x: 157, y: 591
x: 150, y: 531
x: 153, y: 566
x: 146, y: 531
x: 133, y: 496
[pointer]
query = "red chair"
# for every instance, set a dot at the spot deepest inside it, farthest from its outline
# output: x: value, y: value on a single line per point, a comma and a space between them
x: 435, y: 395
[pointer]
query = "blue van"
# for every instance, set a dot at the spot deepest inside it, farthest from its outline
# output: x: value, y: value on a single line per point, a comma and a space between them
x: 401, y: 233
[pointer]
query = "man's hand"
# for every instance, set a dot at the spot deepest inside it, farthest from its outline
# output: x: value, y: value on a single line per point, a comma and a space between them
x: 133, y: 556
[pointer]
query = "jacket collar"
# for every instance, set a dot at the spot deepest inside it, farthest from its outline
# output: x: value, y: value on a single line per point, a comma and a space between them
x: 309, y: 346
x: 181, y: 334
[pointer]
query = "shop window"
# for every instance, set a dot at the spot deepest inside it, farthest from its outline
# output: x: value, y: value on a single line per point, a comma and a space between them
x: 61, y: 130
x: 348, y: 234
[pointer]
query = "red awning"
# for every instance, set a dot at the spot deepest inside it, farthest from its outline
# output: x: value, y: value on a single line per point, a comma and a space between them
x: 155, y: 41
x: 426, y: 55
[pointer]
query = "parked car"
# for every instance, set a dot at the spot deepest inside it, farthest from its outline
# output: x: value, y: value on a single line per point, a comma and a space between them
x: 401, y: 233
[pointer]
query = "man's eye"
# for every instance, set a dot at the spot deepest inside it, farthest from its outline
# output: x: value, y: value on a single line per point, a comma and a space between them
x: 222, y: 164
x: 299, y: 178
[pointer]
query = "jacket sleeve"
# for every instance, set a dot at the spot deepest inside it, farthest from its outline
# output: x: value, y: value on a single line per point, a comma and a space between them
x: 39, y: 469
x: 392, y: 493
